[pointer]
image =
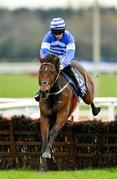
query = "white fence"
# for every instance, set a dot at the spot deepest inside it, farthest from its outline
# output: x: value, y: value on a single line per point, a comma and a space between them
x: 108, y: 109
x: 33, y: 67
x: 29, y: 107
x: 19, y: 106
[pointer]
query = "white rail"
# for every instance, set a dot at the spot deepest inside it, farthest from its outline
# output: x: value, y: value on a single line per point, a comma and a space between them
x: 108, y: 109
x: 18, y: 106
x: 28, y: 106
x: 32, y: 67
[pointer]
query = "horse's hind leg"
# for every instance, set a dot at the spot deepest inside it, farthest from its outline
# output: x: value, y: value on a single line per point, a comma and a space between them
x: 43, y: 165
x: 89, y: 97
x: 95, y: 110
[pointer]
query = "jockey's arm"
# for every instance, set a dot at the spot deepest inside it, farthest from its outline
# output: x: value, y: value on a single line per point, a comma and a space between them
x: 44, y: 50
x: 70, y: 52
x: 45, y: 46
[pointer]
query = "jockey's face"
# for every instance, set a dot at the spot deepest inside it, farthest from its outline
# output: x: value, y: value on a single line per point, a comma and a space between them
x: 59, y: 36
x: 58, y: 33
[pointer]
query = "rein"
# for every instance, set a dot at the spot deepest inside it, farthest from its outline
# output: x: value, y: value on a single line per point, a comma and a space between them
x: 61, y: 90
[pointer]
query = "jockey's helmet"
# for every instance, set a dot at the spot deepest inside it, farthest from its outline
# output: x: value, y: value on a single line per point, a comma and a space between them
x: 57, y: 24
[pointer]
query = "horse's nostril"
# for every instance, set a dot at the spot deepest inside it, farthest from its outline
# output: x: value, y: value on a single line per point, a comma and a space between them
x: 44, y: 94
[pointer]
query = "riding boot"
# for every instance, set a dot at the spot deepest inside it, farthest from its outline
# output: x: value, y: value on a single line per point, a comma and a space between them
x: 69, y: 71
x: 37, y: 96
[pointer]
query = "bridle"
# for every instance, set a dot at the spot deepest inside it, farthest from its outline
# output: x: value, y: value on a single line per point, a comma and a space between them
x: 55, y: 72
x: 57, y: 76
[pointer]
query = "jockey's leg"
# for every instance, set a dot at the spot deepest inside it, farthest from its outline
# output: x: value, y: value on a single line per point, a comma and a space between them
x: 71, y: 73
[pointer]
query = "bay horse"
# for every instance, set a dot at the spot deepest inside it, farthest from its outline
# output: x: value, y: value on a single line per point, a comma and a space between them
x: 56, y: 101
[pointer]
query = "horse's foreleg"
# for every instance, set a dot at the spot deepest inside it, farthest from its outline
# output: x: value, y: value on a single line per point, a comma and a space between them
x: 44, y: 126
x: 52, y: 135
x: 61, y: 120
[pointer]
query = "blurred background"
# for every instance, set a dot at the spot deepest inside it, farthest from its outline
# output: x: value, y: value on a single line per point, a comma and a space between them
x: 23, y: 25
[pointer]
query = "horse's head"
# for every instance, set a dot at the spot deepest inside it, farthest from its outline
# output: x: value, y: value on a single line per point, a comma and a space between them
x: 48, y: 74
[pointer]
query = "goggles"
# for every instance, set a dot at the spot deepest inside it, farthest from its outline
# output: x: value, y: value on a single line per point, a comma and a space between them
x: 57, y: 32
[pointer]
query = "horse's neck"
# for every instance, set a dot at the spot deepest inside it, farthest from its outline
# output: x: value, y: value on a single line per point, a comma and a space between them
x: 58, y: 85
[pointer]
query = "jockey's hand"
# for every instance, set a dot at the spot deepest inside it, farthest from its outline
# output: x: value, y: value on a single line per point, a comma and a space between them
x: 61, y: 67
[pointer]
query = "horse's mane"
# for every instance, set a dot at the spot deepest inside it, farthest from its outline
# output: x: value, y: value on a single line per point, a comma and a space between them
x: 50, y: 58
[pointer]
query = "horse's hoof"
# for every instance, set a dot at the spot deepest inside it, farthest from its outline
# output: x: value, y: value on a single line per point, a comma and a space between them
x: 96, y: 111
x: 42, y: 170
x: 46, y: 155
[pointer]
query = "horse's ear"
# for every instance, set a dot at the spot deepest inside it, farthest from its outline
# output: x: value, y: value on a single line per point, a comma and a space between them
x: 41, y: 60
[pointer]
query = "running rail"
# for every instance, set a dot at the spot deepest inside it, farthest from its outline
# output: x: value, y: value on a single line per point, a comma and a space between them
x: 109, y: 107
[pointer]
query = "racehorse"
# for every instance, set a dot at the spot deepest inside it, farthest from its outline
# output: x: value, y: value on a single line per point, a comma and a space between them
x: 56, y: 101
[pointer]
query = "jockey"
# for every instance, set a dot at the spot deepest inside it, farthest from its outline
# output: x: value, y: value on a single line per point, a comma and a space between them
x: 60, y: 42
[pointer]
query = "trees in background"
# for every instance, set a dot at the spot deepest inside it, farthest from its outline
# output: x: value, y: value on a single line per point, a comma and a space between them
x: 22, y: 30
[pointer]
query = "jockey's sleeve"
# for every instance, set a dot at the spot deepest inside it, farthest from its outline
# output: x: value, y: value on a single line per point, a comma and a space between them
x: 45, y: 46
x: 70, y: 52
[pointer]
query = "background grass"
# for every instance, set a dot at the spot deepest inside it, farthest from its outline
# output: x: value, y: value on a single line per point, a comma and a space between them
x: 104, y: 173
x: 108, y: 85
x: 18, y: 85
x: 26, y: 85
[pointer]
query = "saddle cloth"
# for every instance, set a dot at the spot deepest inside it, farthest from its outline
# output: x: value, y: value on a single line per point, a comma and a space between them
x: 80, y: 81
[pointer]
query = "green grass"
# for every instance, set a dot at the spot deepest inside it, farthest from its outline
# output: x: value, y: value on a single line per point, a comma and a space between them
x: 18, y: 85
x: 24, y: 85
x: 108, y: 85
x: 105, y: 173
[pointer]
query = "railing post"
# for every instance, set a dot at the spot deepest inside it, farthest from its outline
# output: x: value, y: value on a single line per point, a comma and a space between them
x: 13, y: 147
x: 111, y: 113
x: 73, y: 151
